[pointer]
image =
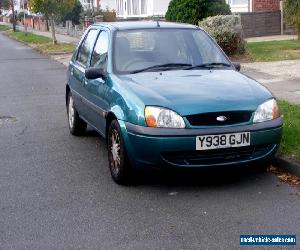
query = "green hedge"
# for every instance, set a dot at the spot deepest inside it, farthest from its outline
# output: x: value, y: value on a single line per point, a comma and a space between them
x: 193, y: 11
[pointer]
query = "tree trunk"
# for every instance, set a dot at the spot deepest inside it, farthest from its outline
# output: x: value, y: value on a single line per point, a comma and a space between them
x: 13, y: 15
x: 92, y: 1
x: 299, y: 33
x: 53, y: 29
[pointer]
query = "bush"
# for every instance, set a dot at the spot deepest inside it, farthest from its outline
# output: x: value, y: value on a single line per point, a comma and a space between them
x: 109, y: 15
x: 20, y: 16
x: 74, y: 14
x: 90, y: 14
x: 227, y: 31
x: 193, y: 11
x: 292, y: 13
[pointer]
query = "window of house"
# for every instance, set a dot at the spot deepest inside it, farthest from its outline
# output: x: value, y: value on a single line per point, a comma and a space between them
x: 135, y: 7
x: 86, y: 47
x: 144, y: 6
x: 129, y: 7
x: 120, y: 8
x: 238, y: 2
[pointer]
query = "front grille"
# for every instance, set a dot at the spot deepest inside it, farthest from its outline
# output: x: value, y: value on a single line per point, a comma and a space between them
x: 216, y: 156
x: 210, y: 119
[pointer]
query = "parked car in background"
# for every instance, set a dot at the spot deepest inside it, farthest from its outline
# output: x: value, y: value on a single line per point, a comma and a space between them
x: 165, y: 94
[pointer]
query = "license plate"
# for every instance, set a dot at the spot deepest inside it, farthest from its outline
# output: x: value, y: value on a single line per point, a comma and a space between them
x: 208, y: 142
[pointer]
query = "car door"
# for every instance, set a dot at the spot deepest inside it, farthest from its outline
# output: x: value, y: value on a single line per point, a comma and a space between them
x: 98, y: 89
x: 77, y: 71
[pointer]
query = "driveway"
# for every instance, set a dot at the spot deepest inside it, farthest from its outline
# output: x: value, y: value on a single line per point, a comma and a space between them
x: 282, y: 78
x: 56, y: 191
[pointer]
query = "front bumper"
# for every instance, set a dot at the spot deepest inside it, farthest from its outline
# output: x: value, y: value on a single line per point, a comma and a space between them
x: 177, y: 147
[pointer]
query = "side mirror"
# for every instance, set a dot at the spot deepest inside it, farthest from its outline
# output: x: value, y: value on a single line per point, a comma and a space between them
x: 237, y: 66
x: 94, y: 73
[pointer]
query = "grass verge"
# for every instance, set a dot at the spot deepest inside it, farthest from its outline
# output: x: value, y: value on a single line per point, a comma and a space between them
x: 4, y: 27
x: 290, y: 145
x: 29, y: 39
x: 270, y: 51
x: 274, y: 50
x: 41, y: 43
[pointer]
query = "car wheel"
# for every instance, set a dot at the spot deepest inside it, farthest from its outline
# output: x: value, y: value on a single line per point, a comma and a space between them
x: 118, y: 161
x: 76, y: 125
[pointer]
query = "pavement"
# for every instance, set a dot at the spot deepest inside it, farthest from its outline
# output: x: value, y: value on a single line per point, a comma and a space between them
x: 282, y: 78
x: 56, y: 191
x: 60, y: 38
x: 271, y: 38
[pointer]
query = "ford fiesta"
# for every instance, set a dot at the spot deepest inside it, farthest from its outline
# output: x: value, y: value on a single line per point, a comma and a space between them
x: 165, y: 94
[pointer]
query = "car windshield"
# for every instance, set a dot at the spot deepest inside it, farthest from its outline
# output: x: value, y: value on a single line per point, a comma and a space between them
x: 165, y: 49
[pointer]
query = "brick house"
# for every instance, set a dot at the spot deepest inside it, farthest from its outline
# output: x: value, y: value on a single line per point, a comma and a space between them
x: 259, y: 17
x: 254, y: 5
x: 265, y: 5
x: 145, y: 8
x: 136, y: 8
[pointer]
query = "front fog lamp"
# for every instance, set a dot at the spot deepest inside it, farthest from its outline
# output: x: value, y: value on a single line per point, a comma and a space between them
x: 267, y: 111
x: 163, y: 118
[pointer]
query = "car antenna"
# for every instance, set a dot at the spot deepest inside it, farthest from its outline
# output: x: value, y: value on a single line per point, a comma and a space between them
x: 157, y: 23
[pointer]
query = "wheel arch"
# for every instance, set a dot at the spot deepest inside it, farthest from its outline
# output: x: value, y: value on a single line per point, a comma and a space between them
x: 109, y: 118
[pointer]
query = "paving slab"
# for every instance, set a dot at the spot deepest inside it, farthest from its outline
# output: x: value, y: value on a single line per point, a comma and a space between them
x: 282, y: 78
x: 271, y: 38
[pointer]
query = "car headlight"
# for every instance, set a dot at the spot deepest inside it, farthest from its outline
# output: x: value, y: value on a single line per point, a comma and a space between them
x: 163, y: 118
x: 267, y: 111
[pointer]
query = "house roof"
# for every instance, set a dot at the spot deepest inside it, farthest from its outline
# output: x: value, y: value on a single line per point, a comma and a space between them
x: 129, y: 25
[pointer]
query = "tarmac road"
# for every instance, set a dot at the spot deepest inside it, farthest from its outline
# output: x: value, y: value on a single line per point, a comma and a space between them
x: 56, y: 191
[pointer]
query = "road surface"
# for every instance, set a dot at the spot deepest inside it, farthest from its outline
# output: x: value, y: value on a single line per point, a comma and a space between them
x: 56, y: 191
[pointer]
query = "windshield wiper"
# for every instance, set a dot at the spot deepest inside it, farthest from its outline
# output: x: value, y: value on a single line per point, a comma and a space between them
x: 209, y: 65
x: 162, y: 66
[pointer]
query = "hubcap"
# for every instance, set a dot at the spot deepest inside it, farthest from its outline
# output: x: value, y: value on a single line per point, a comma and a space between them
x: 71, y: 112
x: 115, y: 146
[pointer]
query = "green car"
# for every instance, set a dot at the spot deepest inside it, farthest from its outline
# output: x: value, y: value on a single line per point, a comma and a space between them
x: 165, y: 95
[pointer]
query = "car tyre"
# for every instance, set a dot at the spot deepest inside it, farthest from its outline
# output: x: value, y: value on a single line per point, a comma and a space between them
x: 77, y: 126
x: 119, y: 165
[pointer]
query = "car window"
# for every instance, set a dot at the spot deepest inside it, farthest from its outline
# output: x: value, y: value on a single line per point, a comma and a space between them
x: 86, y: 47
x: 99, y: 57
x: 139, y: 49
x: 206, y: 49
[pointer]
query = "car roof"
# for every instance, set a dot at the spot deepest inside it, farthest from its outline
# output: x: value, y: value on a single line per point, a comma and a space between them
x: 130, y: 25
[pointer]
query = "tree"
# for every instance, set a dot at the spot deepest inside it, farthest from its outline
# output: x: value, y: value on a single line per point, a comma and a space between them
x: 292, y: 13
x: 4, y: 4
x: 51, y: 9
x: 193, y: 11
x: 74, y: 14
x: 12, y: 5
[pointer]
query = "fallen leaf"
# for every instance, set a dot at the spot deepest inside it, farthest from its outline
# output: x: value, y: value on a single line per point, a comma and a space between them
x: 284, y: 176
